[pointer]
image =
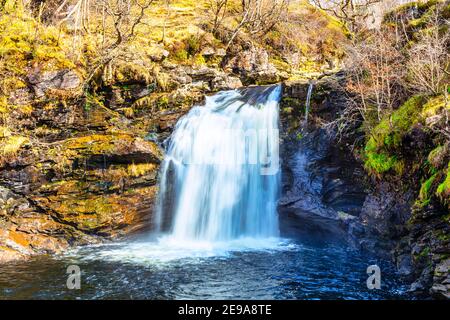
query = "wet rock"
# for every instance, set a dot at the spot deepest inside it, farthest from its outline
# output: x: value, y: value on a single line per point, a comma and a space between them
x: 76, y: 191
x: 421, y: 286
x: 295, y: 90
x: 202, y: 73
x: 182, y: 77
x: 404, y: 265
x: 386, y: 212
x: 109, y: 215
x: 441, y: 280
x: 310, y: 166
x: 167, y: 121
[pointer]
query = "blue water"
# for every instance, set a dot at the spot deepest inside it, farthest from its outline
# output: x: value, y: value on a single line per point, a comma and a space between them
x: 284, y: 269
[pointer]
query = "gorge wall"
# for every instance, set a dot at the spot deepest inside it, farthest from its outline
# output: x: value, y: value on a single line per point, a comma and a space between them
x: 379, y: 215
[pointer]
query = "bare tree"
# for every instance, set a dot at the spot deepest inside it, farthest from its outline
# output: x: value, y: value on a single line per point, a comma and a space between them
x: 352, y: 13
x: 78, y: 12
x: 218, y: 10
x: 259, y: 16
x: 125, y: 16
x: 376, y: 67
x: 429, y: 59
x: 166, y: 18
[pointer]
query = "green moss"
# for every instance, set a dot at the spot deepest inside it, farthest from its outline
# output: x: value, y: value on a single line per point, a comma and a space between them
x: 23, y: 42
x: 424, y: 253
x: 162, y: 102
x: 198, y: 60
x: 180, y: 55
x: 131, y: 73
x: 424, y: 194
x: 443, y: 190
x: 186, y: 48
x: 434, y: 106
x: 446, y: 12
x: 379, y: 163
x: 390, y: 131
x: 11, y: 145
x: 436, y: 156
x: 98, y: 143
x: 443, y: 236
x: 423, y: 20
x: 193, y: 45
x: 386, y: 138
x: 294, y: 104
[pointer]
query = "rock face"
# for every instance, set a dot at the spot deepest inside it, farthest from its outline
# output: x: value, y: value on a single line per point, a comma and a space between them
x: 385, y: 212
x: 83, y: 173
x: 75, y: 190
x: 64, y: 80
x: 441, y: 280
x: 323, y: 178
x: 253, y: 66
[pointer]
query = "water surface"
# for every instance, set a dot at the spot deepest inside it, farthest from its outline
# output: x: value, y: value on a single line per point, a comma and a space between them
x: 250, y: 269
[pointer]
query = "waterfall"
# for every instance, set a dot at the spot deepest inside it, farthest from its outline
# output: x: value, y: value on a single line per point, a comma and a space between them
x: 308, y: 100
x: 219, y: 180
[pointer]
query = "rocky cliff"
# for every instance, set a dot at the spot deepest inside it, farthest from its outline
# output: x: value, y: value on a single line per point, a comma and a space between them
x: 324, y: 176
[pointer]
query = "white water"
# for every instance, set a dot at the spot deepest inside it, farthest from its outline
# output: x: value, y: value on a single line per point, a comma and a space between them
x: 220, y: 179
x: 308, y: 100
x: 219, y: 185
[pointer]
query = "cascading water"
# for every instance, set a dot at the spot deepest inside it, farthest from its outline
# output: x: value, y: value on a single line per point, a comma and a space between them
x: 220, y: 179
x: 219, y: 187
x: 308, y: 100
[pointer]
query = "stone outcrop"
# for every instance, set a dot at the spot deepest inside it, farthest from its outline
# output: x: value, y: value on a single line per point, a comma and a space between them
x: 75, y: 190
x: 81, y: 172
x: 321, y: 180
x: 253, y: 66
x: 322, y: 177
x: 63, y: 80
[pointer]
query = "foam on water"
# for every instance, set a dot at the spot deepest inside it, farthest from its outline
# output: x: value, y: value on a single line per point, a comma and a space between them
x: 169, y: 249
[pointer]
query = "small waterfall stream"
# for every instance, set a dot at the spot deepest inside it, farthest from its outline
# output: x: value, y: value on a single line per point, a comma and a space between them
x: 219, y: 179
x: 308, y: 100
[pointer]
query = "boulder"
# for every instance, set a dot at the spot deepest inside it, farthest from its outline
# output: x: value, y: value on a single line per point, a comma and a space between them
x: 64, y: 80
x: 224, y: 82
x: 158, y: 53
x: 253, y: 66
x: 208, y: 52
x: 441, y: 280
x: 202, y: 73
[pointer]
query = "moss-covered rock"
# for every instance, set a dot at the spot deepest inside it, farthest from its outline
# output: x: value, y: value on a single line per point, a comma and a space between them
x: 387, y: 137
